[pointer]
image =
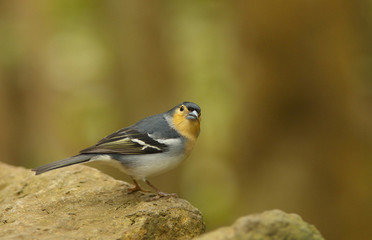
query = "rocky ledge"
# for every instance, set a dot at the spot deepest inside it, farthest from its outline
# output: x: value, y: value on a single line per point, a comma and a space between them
x: 80, y: 202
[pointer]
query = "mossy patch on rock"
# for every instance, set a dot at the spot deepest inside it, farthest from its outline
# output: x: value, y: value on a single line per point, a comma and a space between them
x: 274, y: 224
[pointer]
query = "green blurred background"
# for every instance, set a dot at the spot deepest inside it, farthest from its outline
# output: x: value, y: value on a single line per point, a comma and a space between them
x: 285, y: 89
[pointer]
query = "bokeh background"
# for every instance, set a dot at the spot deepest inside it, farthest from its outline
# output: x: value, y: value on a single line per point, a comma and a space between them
x: 285, y: 89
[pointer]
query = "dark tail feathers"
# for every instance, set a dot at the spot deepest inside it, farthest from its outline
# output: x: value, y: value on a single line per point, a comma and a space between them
x: 62, y: 163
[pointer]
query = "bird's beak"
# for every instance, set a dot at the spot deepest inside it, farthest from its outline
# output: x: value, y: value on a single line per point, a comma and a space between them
x: 193, y: 115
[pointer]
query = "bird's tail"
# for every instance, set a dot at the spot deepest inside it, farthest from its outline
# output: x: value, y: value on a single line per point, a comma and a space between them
x: 62, y: 163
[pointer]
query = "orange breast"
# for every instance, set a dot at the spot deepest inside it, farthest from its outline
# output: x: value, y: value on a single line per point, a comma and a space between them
x: 189, y: 129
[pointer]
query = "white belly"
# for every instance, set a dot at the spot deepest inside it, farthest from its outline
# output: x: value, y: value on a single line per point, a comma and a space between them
x: 142, y: 166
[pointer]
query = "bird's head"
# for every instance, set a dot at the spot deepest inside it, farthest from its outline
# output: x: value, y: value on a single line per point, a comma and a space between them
x: 186, y: 119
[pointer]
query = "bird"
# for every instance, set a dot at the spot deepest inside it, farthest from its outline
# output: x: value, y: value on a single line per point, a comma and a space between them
x: 149, y: 147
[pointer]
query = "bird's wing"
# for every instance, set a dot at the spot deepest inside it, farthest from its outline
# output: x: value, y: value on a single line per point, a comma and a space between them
x: 127, y: 141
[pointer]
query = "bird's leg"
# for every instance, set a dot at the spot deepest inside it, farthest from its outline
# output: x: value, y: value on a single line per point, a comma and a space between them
x: 137, y: 187
x: 160, y: 194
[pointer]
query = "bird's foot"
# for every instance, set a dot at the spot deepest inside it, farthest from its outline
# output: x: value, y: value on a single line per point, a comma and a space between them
x: 136, y: 189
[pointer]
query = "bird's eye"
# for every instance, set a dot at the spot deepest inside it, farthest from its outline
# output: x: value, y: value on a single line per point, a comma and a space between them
x: 182, y: 108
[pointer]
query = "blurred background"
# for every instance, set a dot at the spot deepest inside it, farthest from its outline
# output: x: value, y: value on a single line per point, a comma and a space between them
x: 285, y: 89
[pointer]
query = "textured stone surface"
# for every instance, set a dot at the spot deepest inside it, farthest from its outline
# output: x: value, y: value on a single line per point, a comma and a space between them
x: 268, y: 225
x: 80, y: 202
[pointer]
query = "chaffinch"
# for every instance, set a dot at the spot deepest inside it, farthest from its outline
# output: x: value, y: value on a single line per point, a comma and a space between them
x: 151, y: 146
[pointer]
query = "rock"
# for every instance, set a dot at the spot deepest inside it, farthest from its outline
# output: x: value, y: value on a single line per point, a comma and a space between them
x: 80, y: 202
x: 273, y: 224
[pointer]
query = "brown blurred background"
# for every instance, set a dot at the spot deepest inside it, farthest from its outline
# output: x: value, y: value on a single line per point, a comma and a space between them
x: 285, y: 89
